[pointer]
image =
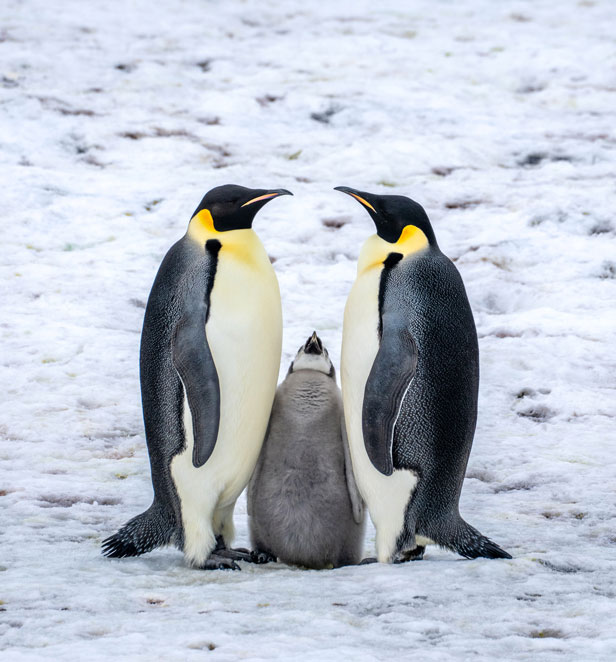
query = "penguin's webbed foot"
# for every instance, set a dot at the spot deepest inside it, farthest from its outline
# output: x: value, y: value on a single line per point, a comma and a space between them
x: 218, y: 562
x: 368, y: 560
x: 258, y: 556
x: 415, y: 554
x: 241, y: 553
x: 235, y: 554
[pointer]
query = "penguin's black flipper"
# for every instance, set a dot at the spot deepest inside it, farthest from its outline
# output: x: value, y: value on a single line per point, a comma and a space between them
x: 392, y: 371
x: 193, y: 360
x: 139, y: 535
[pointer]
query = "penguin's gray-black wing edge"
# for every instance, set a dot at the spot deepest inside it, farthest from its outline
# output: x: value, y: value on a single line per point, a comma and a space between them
x: 251, y: 491
x: 357, y: 503
x: 389, y: 379
x: 193, y: 360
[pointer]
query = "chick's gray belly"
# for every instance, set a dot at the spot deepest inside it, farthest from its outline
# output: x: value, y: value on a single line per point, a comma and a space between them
x: 302, y: 504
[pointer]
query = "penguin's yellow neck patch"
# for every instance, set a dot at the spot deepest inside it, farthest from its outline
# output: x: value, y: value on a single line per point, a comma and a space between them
x: 244, y: 245
x: 201, y: 227
x: 375, y: 250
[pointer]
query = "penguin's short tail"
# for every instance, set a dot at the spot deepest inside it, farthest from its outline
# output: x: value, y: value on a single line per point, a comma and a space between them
x: 141, y: 534
x: 468, y: 542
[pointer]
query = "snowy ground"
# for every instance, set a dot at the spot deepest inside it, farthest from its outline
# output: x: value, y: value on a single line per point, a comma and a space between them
x: 499, y: 117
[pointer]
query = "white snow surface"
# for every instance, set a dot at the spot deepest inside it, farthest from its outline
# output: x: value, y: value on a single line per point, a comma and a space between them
x: 498, y: 117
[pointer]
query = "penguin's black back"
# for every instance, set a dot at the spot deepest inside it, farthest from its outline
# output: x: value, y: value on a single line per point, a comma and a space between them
x: 161, y: 388
x: 435, y: 427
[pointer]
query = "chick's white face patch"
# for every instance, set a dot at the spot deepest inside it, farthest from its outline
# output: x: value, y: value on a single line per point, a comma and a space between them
x: 318, y: 362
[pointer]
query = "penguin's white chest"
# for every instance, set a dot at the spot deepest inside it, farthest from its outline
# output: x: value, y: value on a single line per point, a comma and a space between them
x: 244, y: 333
x: 385, y: 496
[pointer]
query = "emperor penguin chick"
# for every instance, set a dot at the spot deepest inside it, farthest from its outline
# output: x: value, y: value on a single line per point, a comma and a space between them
x: 303, y: 503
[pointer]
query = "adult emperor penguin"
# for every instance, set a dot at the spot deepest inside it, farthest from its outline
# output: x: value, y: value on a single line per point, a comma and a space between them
x: 303, y: 503
x: 210, y: 356
x: 410, y: 376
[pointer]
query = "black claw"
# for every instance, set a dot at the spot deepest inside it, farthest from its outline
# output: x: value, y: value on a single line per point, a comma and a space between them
x: 262, y: 557
x: 415, y: 554
x: 216, y: 562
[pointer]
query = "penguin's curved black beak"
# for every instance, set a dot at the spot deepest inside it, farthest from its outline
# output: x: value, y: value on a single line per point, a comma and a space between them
x: 313, y: 345
x: 266, y: 196
x: 360, y: 196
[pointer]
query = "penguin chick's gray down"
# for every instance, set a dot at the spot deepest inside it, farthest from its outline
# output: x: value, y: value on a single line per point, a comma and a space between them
x: 303, y: 503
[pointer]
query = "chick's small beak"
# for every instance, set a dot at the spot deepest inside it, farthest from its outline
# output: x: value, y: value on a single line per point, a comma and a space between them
x: 274, y: 193
x: 313, y: 344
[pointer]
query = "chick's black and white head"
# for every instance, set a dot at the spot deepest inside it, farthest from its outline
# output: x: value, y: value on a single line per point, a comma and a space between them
x: 234, y: 207
x: 312, y: 355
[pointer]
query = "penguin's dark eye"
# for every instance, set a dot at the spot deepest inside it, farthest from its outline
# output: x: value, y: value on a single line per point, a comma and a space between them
x: 220, y: 209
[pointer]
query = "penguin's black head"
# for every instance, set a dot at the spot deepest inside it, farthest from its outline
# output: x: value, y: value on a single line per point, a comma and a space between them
x: 312, y: 355
x: 392, y: 213
x: 234, y: 207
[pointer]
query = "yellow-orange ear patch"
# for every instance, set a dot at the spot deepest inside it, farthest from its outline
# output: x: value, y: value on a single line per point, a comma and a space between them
x: 201, y: 227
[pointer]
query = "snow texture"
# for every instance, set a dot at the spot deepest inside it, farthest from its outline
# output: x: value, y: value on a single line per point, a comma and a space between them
x: 498, y: 117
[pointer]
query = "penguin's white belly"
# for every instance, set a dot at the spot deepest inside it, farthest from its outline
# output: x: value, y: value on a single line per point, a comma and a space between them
x: 385, y: 496
x: 244, y: 333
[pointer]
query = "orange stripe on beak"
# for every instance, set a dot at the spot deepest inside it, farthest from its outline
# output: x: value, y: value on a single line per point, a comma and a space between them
x: 261, y: 197
x: 364, y: 202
